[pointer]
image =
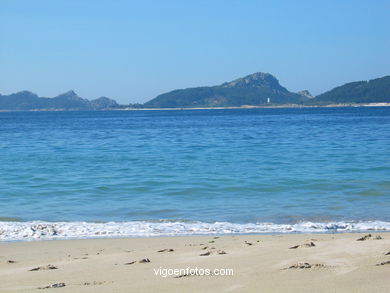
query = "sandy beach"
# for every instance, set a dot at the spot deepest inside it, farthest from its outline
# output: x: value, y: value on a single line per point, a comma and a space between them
x: 245, y: 263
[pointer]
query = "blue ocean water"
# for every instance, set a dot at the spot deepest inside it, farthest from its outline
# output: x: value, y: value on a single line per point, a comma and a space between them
x: 196, y: 167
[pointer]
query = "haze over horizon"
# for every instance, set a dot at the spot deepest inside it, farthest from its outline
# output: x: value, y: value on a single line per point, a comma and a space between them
x: 132, y: 52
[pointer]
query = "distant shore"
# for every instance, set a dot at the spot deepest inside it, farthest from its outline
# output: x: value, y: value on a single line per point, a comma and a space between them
x: 263, y: 107
x: 286, y: 106
x: 352, y: 262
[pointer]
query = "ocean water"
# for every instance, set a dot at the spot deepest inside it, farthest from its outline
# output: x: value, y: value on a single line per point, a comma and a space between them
x: 151, y: 173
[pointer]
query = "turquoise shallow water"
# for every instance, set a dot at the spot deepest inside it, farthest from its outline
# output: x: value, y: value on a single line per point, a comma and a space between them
x: 280, y: 166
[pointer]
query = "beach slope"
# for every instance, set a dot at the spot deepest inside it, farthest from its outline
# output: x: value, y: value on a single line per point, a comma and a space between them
x: 254, y: 263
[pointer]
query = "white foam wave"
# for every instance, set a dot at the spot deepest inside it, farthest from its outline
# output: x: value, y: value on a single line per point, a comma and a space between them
x: 36, y: 230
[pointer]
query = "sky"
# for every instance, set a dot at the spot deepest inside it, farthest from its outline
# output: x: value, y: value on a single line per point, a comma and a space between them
x: 132, y: 51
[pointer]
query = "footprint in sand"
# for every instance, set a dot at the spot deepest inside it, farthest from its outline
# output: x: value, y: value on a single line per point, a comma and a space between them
x: 206, y: 253
x: 364, y: 238
x: 166, y: 250
x: 48, y: 267
x: 305, y: 265
x: 144, y: 260
x: 310, y: 244
x: 56, y: 285
x: 369, y: 236
x: 383, y: 263
x: 11, y: 261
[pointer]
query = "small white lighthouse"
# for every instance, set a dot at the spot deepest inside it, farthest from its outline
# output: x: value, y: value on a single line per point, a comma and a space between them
x: 268, y: 100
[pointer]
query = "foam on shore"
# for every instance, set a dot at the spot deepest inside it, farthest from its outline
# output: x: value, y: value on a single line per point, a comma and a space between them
x: 40, y: 230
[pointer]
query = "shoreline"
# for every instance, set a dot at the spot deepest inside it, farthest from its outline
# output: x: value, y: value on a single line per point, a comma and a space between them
x: 218, y: 235
x: 260, y: 263
x: 285, y: 106
x: 44, y: 230
x: 275, y: 234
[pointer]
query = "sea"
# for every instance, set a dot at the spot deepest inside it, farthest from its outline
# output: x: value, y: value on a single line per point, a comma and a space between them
x: 92, y: 174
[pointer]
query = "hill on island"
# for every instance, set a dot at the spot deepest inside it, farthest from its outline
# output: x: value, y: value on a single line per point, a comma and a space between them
x: 372, y: 91
x: 25, y: 100
x: 255, y: 89
x: 258, y: 89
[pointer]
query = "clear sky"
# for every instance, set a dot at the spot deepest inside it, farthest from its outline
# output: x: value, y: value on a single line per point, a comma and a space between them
x: 134, y: 50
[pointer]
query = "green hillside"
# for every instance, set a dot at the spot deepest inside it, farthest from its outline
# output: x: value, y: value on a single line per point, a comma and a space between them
x: 254, y: 89
x: 372, y: 91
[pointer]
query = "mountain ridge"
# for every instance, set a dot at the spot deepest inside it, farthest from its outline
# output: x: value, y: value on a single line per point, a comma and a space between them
x: 257, y: 89
x: 26, y: 100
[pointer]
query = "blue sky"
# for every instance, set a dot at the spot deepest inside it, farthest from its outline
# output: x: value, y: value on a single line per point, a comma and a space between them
x: 134, y: 50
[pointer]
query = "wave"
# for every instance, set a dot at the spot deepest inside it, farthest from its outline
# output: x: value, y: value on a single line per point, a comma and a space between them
x: 41, y: 230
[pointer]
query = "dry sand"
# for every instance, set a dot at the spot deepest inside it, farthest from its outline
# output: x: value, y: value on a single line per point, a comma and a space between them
x: 260, y: 263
